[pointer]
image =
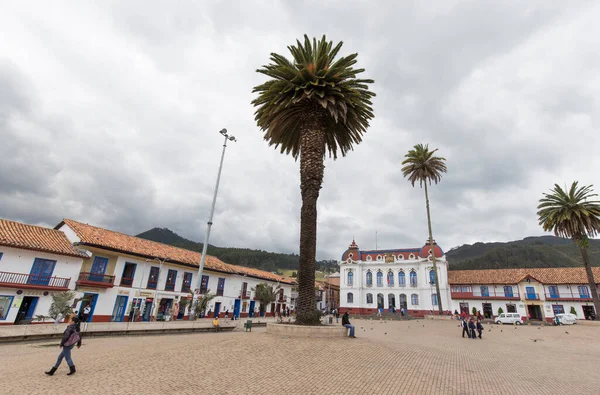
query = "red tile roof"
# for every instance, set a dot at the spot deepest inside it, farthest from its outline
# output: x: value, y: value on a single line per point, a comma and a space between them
x: 104, y: 238
x: 561, y: 275
x: 36, y: 238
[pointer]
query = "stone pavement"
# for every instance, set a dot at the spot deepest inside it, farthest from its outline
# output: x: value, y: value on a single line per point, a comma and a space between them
x: 410, y: 357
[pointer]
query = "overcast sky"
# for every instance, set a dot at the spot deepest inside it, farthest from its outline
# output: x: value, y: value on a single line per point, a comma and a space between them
x: 109, y: 114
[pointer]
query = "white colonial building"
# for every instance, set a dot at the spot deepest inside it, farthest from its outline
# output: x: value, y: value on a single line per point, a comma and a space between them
x: 392, y: 279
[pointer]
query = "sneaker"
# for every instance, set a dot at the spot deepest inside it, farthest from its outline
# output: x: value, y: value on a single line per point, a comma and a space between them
x: 352, y: 337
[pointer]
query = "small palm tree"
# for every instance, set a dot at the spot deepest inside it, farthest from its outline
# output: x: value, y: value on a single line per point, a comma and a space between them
x: 311, y: 105
x: 203, y: 301
x: 423, y: 167
x: 572, y: 215
x: 265, y: 294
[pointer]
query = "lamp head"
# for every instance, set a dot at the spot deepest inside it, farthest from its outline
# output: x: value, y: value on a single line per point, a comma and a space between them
x: 223, y: 131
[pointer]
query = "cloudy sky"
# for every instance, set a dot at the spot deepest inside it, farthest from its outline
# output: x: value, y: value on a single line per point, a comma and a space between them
x: 109, y: 114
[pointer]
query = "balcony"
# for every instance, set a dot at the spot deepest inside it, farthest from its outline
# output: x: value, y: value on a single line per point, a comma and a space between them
x: 32, y: 281
x: 96, y: 280
x: 570, y: 297
x: 170, y: 287
x: 532, y: 296
x: 186, y: 288
x: 126, y: 281
x: 281, y: 299
x: 492, y: 295
x: 152, y: 284
x: 245, y: 295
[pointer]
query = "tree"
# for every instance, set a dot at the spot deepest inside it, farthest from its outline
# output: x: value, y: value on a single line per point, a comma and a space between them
x: 571, y: 214
x: 573, y: 311
x: 500, y: 311
x: 312, y: 104
x: 423, y: 167
x: 203, y: 301
x: 474, y: 310
x: 62, y: 303
x: 265, y: 294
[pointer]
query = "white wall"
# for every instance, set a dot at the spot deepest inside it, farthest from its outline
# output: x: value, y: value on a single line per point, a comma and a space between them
x: 20, y: 261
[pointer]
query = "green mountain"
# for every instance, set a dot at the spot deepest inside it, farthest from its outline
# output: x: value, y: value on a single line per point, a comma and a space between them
x: 541, y: 251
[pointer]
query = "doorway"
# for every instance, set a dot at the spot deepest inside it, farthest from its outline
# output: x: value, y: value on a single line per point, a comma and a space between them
x: 380, y: 301
x: 147, y: 309
x: 588, y: 312
x: 252, y: 307
x: 88, y: 299
x: 164, y: 309
x: 391, y: 302
x: 535, y: 312
x: 236, y: 308
x: 217, y: 308
x: 464, y: 308
x: 403, y: 304
x: 26, y: 310
x: 487, y: 310
x: 119, y: 309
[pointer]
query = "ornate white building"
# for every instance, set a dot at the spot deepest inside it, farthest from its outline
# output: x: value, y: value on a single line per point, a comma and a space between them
x: 392, y: 279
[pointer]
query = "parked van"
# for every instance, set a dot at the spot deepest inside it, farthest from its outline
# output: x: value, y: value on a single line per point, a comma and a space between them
x: 509, y: 318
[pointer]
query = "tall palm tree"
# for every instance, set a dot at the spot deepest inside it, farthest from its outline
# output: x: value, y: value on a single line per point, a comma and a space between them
x: 571, y: 215
x: 421, y: 166
x: 312, y: 104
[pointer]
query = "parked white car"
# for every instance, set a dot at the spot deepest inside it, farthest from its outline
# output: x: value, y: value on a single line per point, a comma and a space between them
x: 567, y: 319
x: 509, y: 318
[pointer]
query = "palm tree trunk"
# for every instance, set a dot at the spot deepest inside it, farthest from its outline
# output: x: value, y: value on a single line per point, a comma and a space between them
x: 591, y: 281
x: 312, y: 152
x: 435, y: 271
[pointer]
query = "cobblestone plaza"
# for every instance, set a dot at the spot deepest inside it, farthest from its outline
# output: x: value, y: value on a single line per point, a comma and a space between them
x: 409, y: 357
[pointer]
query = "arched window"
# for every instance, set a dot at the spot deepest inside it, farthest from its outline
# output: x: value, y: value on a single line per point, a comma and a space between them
x: 431, y: 277
x: 369, y: 298
x: 434, y: 299
x: 413, y: 278
x: 350, y: 278
x: 369, y: 278
x: 350, y: 297
x: 379, y: 279
x: 414, y: 299
x: 390, y: 279
x: 401, y: 278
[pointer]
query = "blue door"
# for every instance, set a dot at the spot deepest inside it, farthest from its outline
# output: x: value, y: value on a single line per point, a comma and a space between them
x: 236, y: 308
x: 41, y: 271
x: 119, y: 309
x: 90, y: 299
x: 147, y: 310
x: 530, y: 293
x: 31, y: 309
x: 217, y: 308
x: 98, y: 269
x: 252, y: 304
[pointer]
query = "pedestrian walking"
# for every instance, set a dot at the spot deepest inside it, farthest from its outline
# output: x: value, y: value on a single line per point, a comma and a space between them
x: 227, y: 313
x: 346, y: 324
x: 479, y: 329
x: 465, y: 328
x: 71, y: 337
x: 379, y: 311
x: 472, y: 329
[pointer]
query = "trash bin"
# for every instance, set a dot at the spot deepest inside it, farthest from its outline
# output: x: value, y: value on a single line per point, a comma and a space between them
x: 330, y: 320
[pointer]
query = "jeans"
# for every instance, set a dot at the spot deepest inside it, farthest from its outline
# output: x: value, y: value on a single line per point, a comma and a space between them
x: 337, y: 320
x: 351, y: 327
x: 65, y: 353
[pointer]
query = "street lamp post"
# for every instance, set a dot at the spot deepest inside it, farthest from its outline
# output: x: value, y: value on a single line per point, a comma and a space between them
x: 209, y: 224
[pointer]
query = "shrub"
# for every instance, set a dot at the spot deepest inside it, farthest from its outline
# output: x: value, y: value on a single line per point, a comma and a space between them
x: 474, y: 310
x: 573, y: 311
x: 500, y: 311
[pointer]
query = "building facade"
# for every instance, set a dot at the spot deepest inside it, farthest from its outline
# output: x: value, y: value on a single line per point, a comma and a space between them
x: 392, y: 279
x: 536, y: 294
x: 35, y: 263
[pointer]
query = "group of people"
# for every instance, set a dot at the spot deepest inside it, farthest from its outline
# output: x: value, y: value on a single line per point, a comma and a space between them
x: 470, y: 327
x: 403, y: 311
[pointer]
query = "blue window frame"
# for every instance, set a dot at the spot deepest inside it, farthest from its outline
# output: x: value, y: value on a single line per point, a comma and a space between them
x: 220, y: 287
x: 204, y: 284
x: 390, y: 279
x: 485, y: 291
x: 153, y: 277
x: 584, y: 291
x: 350, y: 278
x: 379, y: 279
x: 187, y: 282
x: 171, y: 278
x: 553, y: 290
x: 413, y: 279
x: 128, y: 274
x: 41, y: 271
x: 98, y: 269
x: 431, y: 277
x: 434, y: 299
x: 1, y: 253
x: 5, y: 303
x: 369, y: 279
x: 401, y: 279
x: 558, y: 309
x: 530, y: 293
x: 508, y: 291
x: 414, y: 299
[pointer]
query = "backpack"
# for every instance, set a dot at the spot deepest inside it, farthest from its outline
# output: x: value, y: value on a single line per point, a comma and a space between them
x: 73, y: 339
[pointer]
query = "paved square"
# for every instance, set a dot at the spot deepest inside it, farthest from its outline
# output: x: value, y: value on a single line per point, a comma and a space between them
x: 411, y: 357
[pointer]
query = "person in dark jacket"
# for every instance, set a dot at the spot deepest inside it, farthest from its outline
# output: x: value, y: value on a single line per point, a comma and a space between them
x: 472, y: 329
x: 346, y: 323
x: 465, y: 328
x: 71, y: 333
x: 479, y: 329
